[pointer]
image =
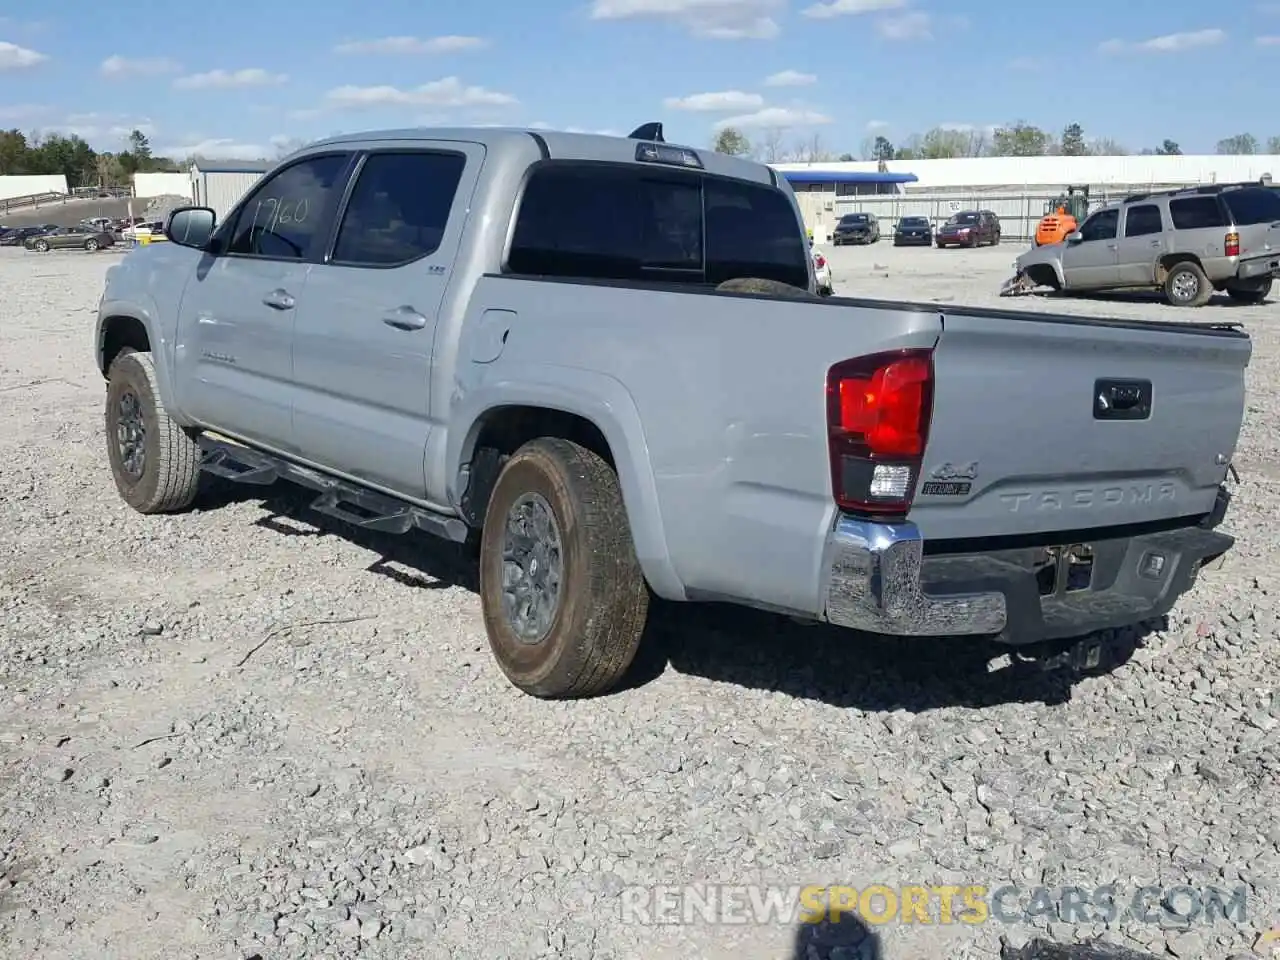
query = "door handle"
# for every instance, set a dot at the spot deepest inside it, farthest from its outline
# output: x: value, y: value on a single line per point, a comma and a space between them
x: 1113, y: 246
x: 404, y: 318
x: 279, y: 299
x: 1157, y: 243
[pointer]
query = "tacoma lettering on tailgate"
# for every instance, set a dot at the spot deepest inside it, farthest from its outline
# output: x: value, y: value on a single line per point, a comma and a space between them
x: 1086, y: 498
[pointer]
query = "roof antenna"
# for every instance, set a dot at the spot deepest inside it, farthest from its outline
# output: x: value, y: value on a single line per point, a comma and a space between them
x: 647, y: 131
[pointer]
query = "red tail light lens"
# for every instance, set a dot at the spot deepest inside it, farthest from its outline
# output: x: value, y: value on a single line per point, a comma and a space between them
x: 820, y: 260
x: 1232, y: 246
x: 878, y: 413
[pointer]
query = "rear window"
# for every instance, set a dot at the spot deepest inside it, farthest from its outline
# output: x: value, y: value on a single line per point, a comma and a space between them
x: 914, y: 221
x: 1252, y: 206
x: 625, y: 222
x: 1196, y: 213
x: 854, y: 218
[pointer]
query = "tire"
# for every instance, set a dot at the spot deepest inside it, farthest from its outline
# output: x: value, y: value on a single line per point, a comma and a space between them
x: 168, y: 477
x: 1186, y: 285
x: 90, y: 245
x: 599, y: 615
x: 1245, y: 292
x: 42, y: 246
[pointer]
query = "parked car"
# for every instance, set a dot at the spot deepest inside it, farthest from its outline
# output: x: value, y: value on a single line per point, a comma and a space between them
x: 856, y: 228
x: 603, y: 379
x: 70, y: 238
x: 18, y: 235
x: 822, y: 274
x: 970, y: 228
x: 1187, y: 243
x: 913, y: 231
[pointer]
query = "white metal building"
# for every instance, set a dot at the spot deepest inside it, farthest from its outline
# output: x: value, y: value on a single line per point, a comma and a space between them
x: 1053, y: 173
x: 149, y: 185
x: 24, y: 185
x: 221, y: 183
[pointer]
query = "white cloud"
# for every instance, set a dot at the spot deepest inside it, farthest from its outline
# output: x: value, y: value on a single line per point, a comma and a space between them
x: 781, y: 117
x: 1169, y: 43
x: 216, y: 149
x: 411, y: 45
x: 723, y: 101
x: 23, y: 111
x: 790, y: 78
x: 14, y: 57
x: 1025, y: 63
x: 1268, y: 41
x: 105, y: 130
x: 710, y: 19
x: 448, y: 92
x: 909, y: 26
x: 848, y: 8
x: 875, y: 125
x: 118, y: 66
x: 230, y: 79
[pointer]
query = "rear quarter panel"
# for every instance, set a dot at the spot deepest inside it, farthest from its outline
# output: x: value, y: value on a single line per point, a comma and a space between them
x: 727, y: 407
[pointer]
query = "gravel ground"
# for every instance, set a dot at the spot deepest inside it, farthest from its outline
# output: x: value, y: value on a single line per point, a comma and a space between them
x: 244, y: 732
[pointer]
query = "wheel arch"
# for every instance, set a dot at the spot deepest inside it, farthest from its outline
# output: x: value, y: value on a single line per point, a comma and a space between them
x: 589, y: 408
x: 1169, y: 260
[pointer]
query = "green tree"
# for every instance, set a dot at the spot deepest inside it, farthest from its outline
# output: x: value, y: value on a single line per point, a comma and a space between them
x: 14, y: 152
x: 1020, y: 139
x: 1169, y: 148
x: 882, y: 149
x: 733, y: 142
x: 1239, y: 145
x: 1073, y: 144
x: 1273, y: 145
x: 847, y: 158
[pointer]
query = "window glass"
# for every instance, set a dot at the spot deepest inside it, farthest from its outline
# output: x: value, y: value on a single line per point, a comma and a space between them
x: 399, y: 208
x: 1101, y: 226
x: 629, y: 223
x: 1142, y: 221
x: 1195, y: 213
x: 1253, y: 205
x: 286, y: 217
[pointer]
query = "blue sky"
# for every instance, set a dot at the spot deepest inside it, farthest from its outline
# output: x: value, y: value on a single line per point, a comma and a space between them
x: 234, y: 78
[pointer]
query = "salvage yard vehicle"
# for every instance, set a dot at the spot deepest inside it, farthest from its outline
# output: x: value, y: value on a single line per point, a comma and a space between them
x: 913, y: 231
x: 70, y: 238
x: 603, y: 362
x: 856, y: 228
x: 969, y: 228
x: 822, y: 274
x: 1187, y: 243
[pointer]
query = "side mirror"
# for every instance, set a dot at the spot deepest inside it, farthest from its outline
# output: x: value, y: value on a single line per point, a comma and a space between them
x: 1076, y: 237
x: 191, y: 226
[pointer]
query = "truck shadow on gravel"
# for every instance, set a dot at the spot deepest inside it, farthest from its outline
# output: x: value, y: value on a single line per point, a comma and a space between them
x: 723, y: 643
x: 848, y: 938
x: 1143, y: 297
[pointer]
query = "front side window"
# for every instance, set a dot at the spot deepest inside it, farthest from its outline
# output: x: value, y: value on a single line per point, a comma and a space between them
x: 286, y: 218
x: 1101, y: 226
x: 624, y: 222
x: 399, y: 208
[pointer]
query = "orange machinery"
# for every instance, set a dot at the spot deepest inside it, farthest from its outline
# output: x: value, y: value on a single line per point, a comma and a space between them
x: 1063, y: 216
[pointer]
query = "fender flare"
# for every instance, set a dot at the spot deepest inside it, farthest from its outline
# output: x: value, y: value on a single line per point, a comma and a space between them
x: 605, y: 402
x: 162, y: 347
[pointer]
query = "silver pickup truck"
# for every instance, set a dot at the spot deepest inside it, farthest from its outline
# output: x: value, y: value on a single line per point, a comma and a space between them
x: 603, y: 361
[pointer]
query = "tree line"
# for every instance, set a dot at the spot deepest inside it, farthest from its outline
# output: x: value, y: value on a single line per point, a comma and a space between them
x: 1018, y: 139
x: 72, y: 157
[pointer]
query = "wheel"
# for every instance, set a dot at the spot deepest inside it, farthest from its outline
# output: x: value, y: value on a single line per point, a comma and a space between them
x: 564, y: 599
x: 995, y: 241
x: 91, y: 245
x: 42, y: 246
x: 1186, y: 285
x: 154, y: 462
x: 1245, y: 291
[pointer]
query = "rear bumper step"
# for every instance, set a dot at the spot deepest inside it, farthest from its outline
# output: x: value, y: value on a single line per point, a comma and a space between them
x: 878, y: 580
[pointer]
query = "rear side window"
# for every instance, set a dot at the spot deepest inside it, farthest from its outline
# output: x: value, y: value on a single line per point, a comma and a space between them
x: 1143, y: 221
x: 1196, y: 213
x: 621, y: 222
x: 1252, y: 206
x: 399, y: 208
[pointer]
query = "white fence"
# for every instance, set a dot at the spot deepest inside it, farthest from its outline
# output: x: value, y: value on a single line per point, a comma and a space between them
x: 1018, y: 212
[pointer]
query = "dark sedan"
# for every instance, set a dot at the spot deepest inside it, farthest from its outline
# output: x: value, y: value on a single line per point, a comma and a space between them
x: 856, y: 228
x: 913, y: 231
x: 70, y: 238
x: 16, y: 236
x: 970, y: 228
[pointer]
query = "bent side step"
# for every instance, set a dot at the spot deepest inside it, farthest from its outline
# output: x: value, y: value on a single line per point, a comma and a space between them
x: 348, y: 502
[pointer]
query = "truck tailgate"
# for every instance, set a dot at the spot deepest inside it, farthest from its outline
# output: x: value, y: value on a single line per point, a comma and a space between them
x: 1052, y: 424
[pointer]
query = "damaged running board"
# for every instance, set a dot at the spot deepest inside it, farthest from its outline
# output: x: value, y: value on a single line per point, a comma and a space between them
x: 340, y: 499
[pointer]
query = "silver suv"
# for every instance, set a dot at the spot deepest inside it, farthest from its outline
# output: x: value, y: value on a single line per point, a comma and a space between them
x: 1188, y: 243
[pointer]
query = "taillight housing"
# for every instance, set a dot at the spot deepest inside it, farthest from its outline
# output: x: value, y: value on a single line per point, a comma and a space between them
x: 820, y: 261
x: 878, y: 413
x: 1232, y: 245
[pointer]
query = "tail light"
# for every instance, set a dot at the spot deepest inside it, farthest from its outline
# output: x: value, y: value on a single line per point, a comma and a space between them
x: 878, y: 413
x: 820, y: 261
x: 1232, y: 245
